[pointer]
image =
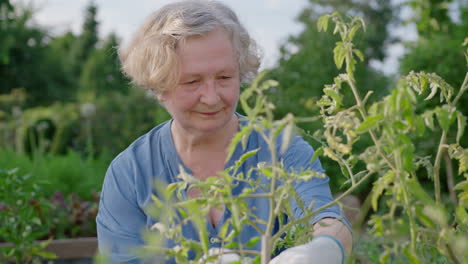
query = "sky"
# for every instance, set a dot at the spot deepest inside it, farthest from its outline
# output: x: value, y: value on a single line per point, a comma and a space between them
x: 269, y: 22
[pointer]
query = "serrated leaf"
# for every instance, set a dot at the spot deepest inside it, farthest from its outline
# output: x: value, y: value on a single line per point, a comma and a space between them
x: 423, y: 218
x: 317, y: 153
x: 238, y: 137
x: 247, y: 155
x: 369, y: 123
x: 232, y: 245
x: 433, y: 87
x: 352, y: 32
x: 359, y: 54
x: 334, y: 95
x: 429, y: 119
x: 322, y: 23
x: 224, y: 229
x: 339, y: 54
x: 419, y: 124
x: 417, y: 191
x: 462, y: 215
x: 413, y: 258
x: 462, y: 186
x: 252, y: 242
x: 445, y: 117
x: 287, y: 136
x: 379, y: 186
x: 461, y: 123
x: 46, y: 255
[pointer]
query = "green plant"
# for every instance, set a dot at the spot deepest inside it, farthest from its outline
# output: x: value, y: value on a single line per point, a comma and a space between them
x: 68, y: 174
x: 23, y: 219
x: 437, y: 230
x: 393, y: 123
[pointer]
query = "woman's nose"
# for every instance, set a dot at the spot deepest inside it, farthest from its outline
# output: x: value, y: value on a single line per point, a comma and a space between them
x: 209, y: 93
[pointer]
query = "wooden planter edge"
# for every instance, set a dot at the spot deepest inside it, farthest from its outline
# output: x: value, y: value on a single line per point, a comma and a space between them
x: 71, y: 248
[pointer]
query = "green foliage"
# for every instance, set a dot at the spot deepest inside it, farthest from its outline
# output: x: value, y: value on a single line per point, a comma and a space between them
x: 393, y: 123
x: 46, y: 129
x: 6, y: 8
x: 127, y: 116
x: 23, y: 218
x: 306, y: 64
x: 68, y: 174
x: 24, y: 52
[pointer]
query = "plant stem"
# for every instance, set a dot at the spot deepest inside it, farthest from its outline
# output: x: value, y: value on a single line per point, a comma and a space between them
x: 307, y: 216
x: 451, y: 254
x: 438, y: 159
x: 442, y: 143
x: 364, y: 116
x: 450, y: 181
x: 463, y: 89
x: 402, y: 177
x: 266, y: 238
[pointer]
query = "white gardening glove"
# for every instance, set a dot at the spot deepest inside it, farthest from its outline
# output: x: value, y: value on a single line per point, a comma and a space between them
x: 323, y: 249
x: 224, y: 258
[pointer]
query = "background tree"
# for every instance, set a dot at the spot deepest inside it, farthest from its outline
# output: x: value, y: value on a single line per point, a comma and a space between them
x: 101, y: 73
x: 306, y: 61
x: 25, y: 58
x: 87, y: 40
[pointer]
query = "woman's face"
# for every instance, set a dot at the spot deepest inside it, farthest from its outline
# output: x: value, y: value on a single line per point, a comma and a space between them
x: 208, y: 90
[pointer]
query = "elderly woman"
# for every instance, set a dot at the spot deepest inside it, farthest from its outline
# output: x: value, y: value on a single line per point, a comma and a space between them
x: 194, y: 55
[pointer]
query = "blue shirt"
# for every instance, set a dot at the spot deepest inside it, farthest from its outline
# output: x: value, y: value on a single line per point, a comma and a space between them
x: 128, y: 186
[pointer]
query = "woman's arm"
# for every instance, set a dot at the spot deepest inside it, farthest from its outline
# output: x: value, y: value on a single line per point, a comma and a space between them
x: 337, y: 229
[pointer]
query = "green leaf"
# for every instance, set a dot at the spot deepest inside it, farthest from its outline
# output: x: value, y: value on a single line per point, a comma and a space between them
x: 318, y: 152
x: 411, y: 256
x: 462, y: 215
x: 46, y: 255
x: 334, y: 95
x: 461, y: 123
x: 423, y: 218
x: 445, y: 116
x: 370, y: 123
x: 352, y: 32
x: 287, y: 136
x: 462, y: 186
x: 339, y: 53
x: 417, y: 190
x: 245, y: 131
x: 434, y: 87
x: 359, y: 54
x: 232, y: 245
x: 322, y: 23
x: 419, y: 124
x: 252, y: 242
x: 429, y: 119
x: 247, y: 155
x: 379, y: 187
x: 224, y: 229
x: 437, y: 214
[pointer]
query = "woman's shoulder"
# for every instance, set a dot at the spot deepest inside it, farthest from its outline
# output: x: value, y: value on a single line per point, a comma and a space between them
x: 146, y: 145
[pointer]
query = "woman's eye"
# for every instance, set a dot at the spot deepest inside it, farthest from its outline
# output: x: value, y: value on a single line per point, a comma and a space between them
x: 191, y: 82
x: 226, y: 77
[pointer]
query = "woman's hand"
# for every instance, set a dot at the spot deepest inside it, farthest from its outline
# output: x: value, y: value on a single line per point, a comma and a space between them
x: 224, y: 256
x: 323, y: 249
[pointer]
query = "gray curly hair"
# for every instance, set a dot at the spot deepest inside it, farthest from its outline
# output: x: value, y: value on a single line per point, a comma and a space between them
x: 150, y: 58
